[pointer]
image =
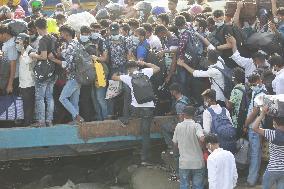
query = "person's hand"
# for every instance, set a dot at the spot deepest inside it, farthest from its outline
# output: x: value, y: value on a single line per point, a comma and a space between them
x: 168, y: 78
x: 9, y: 88
x: 240, y: 5
x: 141, y: 63
x: 95, y: 58
x: 231, y: 40
x: 51, y: 56
x: 180, y: 62
x: 161, y: 54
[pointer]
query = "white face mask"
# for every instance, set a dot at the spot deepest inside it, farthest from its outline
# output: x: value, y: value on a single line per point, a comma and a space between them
x: 84, y: 38
x: 19, y: 47
x: 115, y: 37
x: 95, y: 35
x: 181, y: 30
x: 220, y: 23
x: 206, y: 104
x: 274, y: 71
x: 276, y: 20
x: 58, y: 12
x: 209, y: 149
x: 195, y: 28
x: 135, y: 40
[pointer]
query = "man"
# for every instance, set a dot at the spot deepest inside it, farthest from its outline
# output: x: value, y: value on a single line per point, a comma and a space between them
x: 172, y: 5
x: 277, y: 62
x: 71, y: 91
x: 216, y: 77
x: 163, y: 19
x: 212, y: 122
x: 258, y: 89
x: 258, y: 60
x: 179, y: 104
x: 170, y: 46
x: 145, y: 110
x: 143, y: 47
x: 44, y: 89
x: 221, y: 165
x: 280, y: 21
x: 152, y: 39
x: 9, y: 58
x: 60, y: 19
x: 188, y: 137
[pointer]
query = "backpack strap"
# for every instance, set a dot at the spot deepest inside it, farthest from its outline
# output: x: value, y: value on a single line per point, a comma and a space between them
x: 213, y: 115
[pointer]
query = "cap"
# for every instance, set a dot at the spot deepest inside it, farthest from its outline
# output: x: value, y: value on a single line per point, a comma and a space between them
x: 195, y: 9
x: 114, y: 27
x: 23, y: 37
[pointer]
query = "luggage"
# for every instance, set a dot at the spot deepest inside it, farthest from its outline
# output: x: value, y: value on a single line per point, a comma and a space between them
x: 114, y: 89
x: 248, y: 11
x: 17, y: 26
x: 4, y: 73
x: 242, y: 155
x: 44, y: 70
x: 142, y: 88
x: 11, y: 108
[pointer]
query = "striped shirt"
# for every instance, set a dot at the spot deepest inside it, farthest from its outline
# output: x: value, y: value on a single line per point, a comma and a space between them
x: 276, y: 160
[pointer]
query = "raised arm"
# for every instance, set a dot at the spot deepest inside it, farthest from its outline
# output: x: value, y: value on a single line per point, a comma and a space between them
x: 236, y: 18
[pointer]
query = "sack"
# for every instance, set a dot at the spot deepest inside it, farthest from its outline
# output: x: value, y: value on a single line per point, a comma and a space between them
x: 242, y: 155
x: 11, y: 108
x: 223, y: 128
x: 228, y: 83
x: 44, y: 70
x: 114, y: 89
x: 17, y: 26
x: 100, y: 74
x: 84, y: 71
x: 4, y: 73
x: 142, y: 88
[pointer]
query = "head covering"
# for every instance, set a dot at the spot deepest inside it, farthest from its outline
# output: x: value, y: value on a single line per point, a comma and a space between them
x: 158, y: 10
x: 195, y: 9
x: 19, y: 13
x: 114, y: 27
x: 102, y: 14
x: 22, y: 37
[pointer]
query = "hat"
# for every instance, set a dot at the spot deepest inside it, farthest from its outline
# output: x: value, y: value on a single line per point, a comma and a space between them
x: 22, y: 37
x: 102, y: 14
x: 114, y: 27
x: 158, y: 10
x: 195, y: 9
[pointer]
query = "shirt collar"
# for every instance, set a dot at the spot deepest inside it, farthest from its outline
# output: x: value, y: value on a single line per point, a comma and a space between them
x: 280, y: 72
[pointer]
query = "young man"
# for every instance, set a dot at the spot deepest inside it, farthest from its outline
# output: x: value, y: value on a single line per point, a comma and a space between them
x: 274, y: 174
x: 163, y: 19
x: 277, y: 62
x: 71, y: 91
x: 44, y: 89
x: 179, y: 104
x: 172, y: 5
x: 152, y: 39
x: 188, y: 137
x: 145, y: 110
x: 221, y: 165
x: 216, y: 77
x: 258, y: 89
x: 9, y: 57
x: 143, y: 46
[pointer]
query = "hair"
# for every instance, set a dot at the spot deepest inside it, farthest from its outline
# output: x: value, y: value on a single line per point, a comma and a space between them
x: 239, y: 75
x: 5, y: 29
x: 67, y: 29
x: 188, y: 17
x: 260, y: 56
x: 131, y: 64
x: 180, y: 21
x: 105, y: 23
x: 148, y: 27
x: 254, y: 77
x: 60, y: 17
x: 202, y: 22
x: 141, y: 31
x: 174, y: 1
x: 280, y: 11
x: 95, y: 26
x: 85, y: 29
x: 211, y: 138
x: 218, y: 13
x: 276, y: 60
x: 200, y: 15
x: 213, y: 56
x: 165, y: 18
x: 210, y: 21
x: 160, y: 28
x: 134, y: 23
x: 189, y: 111
x: 209, y: 93
x: 41, y: 23
x: 175, y: 87
x: 125, y: 27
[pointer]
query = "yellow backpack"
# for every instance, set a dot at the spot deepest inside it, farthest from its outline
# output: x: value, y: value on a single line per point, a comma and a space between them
x: 100, y: 74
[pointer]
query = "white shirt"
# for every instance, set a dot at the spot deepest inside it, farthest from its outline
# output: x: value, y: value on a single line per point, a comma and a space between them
x: 278, y: 82
x: 155, y: 42
x: 26, y: 76
x: 10, y: 53
x: 127, y: 80
x: 207, y: 118
x: 222, y: 171
x: 217, y: 77
x: 186, y: 135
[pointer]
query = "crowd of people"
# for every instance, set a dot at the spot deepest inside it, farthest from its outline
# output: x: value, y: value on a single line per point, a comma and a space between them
x: 197, y: 61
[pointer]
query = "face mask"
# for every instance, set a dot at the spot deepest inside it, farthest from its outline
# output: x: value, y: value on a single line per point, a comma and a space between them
x: 274, y: 71
x: 195, y: 28
x: 130, y: 32
x: 206, y: 104
x: 58, y: 12
x: 135, y: 40
x: 181, y: 31
x: 95, y: 35
x: 209, y: 150
x: 276, y: 20
x: 19, y: 47
x: 255, y: 88
x: 115, y: 37
x: 220, y: 23
x: 84, y: 38
x: 30, y: 9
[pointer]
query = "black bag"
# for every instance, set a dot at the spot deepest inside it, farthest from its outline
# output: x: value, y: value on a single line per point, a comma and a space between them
x: 84, y: 70
x: 16, y: 26
x: 4, y: 73
x: 142, y: 88
x: 192, y: 57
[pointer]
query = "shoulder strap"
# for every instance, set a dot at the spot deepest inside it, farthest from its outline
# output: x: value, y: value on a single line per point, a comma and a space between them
x: 224, y: 111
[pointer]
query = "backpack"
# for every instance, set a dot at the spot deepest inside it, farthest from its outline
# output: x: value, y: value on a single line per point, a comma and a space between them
x: 45, y: 69
x: 4, y: 73
x: 228, y: 83
x: 142, y: 88
x: 192, y: 57
x: 223, y: 128
x: 84, y: 71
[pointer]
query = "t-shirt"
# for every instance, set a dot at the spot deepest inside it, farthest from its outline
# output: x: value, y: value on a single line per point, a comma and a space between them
x: 127, y: 80
x: 186, y: 135
x: 26, y: 77
x: 276, y: 151
x: 44, y: 44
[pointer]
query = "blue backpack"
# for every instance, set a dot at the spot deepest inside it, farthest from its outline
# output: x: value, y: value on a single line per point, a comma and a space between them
x: 223, y: 128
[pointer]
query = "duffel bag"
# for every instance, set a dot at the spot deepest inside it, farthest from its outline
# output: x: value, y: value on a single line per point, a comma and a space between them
x: 11, y: 108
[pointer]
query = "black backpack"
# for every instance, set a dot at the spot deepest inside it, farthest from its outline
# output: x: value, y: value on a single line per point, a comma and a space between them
x: 45, y: 69
x: 192, y: 57
x: 142, y: 88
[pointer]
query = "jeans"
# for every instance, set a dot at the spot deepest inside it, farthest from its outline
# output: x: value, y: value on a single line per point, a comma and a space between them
x: 272, y: 177
x: 183, y: 79
x: 196, y: 175
x: 44, y: 91
x: 28, y: 95
x: 99, y: 102
x: 71, y: 90
x: 146, y: 115
x: 167, y: 131
x: 255, y: 157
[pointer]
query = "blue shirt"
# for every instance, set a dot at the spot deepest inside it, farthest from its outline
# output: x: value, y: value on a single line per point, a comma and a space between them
x: 142, y: 50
